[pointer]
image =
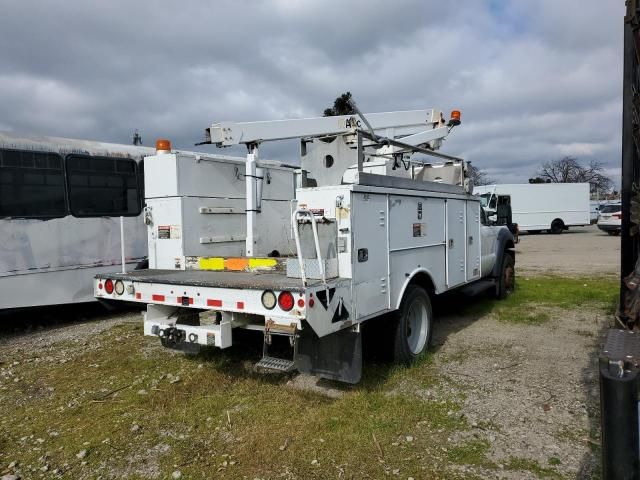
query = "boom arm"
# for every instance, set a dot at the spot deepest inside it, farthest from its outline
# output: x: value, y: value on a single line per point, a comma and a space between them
x: 390, y: 124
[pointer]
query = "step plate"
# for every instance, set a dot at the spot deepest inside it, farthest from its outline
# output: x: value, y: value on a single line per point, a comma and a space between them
x: 277, y: 364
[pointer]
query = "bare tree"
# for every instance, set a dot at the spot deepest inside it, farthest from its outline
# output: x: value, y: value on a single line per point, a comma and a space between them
x: 569, y: 170
x: 341, y: 106
x: 479, y: 177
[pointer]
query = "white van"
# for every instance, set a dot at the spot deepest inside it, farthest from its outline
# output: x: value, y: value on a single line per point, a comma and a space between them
x: 553, y: 207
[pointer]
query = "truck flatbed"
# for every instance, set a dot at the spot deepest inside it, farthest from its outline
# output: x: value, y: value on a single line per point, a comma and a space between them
x: 203, y: 278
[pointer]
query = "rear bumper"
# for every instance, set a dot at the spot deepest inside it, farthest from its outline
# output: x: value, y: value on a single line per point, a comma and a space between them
x: 609, y: 227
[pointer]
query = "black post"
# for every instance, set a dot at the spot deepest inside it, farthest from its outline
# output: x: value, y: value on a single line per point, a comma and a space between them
x: 630, y: 144
x: 619, y: 406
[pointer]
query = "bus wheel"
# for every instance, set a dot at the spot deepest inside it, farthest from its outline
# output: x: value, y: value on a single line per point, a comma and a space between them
x: 557, y: 226
x: 413, y: 327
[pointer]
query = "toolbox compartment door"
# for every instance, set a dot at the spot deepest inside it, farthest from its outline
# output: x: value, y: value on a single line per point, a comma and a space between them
x: 456, y: 242
x: 473, y: 240
x: 370, y: 253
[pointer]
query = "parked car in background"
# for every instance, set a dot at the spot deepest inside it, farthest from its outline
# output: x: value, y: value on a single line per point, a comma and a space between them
x: 609, y: 218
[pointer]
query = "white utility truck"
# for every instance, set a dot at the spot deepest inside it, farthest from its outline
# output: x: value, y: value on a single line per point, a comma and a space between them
x: 372, y: 231
x: 553, y: 207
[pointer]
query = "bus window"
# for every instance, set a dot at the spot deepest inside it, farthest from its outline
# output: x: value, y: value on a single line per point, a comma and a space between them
x: 102, y: 186
x: 31, y: 184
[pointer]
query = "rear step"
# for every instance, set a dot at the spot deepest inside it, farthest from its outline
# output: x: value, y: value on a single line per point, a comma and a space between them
x: 276, y: 364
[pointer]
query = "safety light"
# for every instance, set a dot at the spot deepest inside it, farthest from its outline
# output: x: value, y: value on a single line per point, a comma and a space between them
x: 455, y: 118
x: 301, y: 302
x: 269, y: 300
x: 119, y: 287
x: 285, y: 300
x: 163, y: 145
x: 108, y: 286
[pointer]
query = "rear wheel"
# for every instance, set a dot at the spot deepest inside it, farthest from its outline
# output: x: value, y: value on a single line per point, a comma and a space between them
x: 507, y: 279
x: 557, y: 226
x: 413, y: 327
x: 614, y: 232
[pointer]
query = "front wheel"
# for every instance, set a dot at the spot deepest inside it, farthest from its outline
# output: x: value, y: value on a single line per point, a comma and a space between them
x: 507, y: 279
x: 413, y: 327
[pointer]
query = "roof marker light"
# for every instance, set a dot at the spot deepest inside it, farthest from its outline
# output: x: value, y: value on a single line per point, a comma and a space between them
x: 163, y: 145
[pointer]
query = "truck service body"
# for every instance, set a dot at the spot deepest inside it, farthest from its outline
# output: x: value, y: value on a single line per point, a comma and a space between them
x: 541, y: 206
x: 370, y: 232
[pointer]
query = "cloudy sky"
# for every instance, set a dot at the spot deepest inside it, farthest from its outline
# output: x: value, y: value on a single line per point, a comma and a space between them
x: 535, y: 80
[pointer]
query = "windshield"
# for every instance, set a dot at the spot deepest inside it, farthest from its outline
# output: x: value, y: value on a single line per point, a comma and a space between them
x: 484, y: 199
x: 610, y: 208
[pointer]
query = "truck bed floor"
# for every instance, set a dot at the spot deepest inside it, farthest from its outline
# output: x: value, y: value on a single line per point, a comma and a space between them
x: 201, y: 278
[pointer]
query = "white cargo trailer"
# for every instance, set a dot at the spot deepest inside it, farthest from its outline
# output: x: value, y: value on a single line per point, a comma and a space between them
x: 552, y: 207
x: 373, y: 232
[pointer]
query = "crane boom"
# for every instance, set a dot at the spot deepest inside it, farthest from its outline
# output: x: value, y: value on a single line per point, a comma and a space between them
x: 390, y: 124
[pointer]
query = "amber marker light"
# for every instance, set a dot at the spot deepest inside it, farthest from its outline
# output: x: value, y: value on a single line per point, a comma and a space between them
x: 163, y: 145
x: 455, y: 118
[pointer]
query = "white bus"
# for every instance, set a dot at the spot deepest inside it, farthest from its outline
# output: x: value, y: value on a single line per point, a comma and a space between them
x: 60, y: 206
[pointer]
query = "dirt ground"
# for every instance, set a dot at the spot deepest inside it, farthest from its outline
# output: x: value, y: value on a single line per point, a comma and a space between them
x: 529, y: 392
x: 579, y: 250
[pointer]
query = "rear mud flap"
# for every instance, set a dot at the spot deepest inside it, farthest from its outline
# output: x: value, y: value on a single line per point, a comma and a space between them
x: 337, y: 356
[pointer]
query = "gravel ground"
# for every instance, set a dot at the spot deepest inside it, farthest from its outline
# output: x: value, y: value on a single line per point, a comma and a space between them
x: 530, y: 391
x: 578, y: 251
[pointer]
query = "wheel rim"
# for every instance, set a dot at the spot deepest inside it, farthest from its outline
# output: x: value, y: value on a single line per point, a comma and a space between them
x: 417, y: 326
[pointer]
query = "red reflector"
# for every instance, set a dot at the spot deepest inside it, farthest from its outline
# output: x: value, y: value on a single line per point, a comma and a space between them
x: 108, y: 286
x: 157, y: 298
x: 301, y: 302
x: 138, y: 296
x: 312, y: 302
x: 240, y: 305
x: 285, y: 300
x: 100, y: 286
x: 214, y: 303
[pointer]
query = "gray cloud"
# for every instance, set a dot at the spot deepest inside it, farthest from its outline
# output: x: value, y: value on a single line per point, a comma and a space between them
x: 534, y: 80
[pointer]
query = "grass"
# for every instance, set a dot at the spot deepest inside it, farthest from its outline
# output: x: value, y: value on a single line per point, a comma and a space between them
x: 535, y: 299
x: 141, y: 411
x: 522, y: 464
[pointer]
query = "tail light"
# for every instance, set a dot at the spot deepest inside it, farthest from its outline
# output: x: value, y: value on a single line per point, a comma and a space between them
x: 285, y: 300
x: 119, y: 287
x: 108, y: 286
x: 617, y: 215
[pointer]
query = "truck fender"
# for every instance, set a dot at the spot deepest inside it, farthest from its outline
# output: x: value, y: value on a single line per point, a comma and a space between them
x: 504, y: 242
x: 419, y: 276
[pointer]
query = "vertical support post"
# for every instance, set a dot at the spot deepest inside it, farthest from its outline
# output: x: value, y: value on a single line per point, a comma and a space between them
x: 251, y: 200
x: 619, y: 419
x: 360, y: 152
x: 122, y: 257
